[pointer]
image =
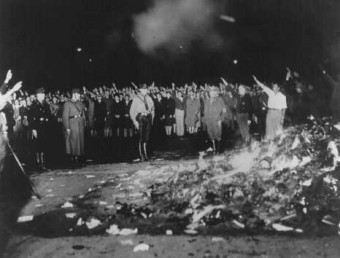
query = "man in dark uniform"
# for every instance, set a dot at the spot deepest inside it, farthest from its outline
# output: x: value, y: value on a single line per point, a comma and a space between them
x: 244, y: 111
x: 213, y: 116
x: 99, y: 125
x: 74, y: 125
x: 142, y: 113
x: 40, y: 116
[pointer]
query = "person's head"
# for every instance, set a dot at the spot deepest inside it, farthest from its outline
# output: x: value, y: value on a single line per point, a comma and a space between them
x: 117, y: 99
x: 55, y: 100
x: 241, y: 90
x: 126, y: 97
x: 276, y: 88
x: 99, y: 98
x: 23, y: 102
x: 107, y: 94
x: 143, y: 90
x: 168, y: 94
x: 76, y: 94
x: 213, y: 92
x: 310, y: 87
x: 40, y: 94
x: 16, y: 102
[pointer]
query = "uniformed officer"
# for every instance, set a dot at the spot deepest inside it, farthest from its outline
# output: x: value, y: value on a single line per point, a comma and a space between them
x: 40, y: 116
x: 142, y: 113
x: 74, y: 125
x: 213, y: 116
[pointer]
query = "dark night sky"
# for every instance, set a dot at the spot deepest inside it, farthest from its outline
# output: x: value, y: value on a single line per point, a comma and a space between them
x: 38, y: 40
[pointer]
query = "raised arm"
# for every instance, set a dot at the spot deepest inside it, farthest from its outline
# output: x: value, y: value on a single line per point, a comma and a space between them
x: 266, y: 89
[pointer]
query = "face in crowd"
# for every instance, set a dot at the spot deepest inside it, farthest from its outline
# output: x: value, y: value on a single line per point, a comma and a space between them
x: 143, y: 91
x: 242, y: 90
x: 117, y: 98
x: 41, y: 97
x: 276, y: 88
x: 213, y: 93
x: 76, y: 96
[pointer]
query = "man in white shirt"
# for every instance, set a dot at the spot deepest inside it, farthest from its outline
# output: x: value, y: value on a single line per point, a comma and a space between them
x: 277, y: 106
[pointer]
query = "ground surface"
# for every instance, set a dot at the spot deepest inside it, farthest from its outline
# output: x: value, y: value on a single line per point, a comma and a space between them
x: 58, y: 187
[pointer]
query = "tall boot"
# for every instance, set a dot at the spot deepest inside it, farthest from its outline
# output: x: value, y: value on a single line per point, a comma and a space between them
x: 38, y: 162
x: 219, y: 147
x: 145, y: 151
x: 214, y: 146
x: 42, y: 161
x: 140, y: 151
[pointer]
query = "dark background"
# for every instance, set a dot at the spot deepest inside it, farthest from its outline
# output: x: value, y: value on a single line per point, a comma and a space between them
x: 39, y: 38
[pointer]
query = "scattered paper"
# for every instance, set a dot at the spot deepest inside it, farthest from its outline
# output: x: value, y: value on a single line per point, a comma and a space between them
x: 93, y: 223
x: 70, y: 215
x: 218, y: 239
x: 114, y: 230
x: 126, y: 242
x: 169, y: 232
x: 67, y: 205
x: 25, y: 218
x: 141, y: 247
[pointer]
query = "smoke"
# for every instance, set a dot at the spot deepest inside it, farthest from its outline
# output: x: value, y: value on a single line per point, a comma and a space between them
x: 172, y: 25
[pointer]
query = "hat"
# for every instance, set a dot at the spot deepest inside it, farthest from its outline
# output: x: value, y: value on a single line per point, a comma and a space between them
x: 40, y: 90
x: 143, y: 86
x: 75, y: 90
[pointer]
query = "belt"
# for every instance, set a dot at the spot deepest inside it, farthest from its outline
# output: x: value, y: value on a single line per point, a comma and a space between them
x: 275, y: 109
x: 145, y: 114
x: 78, y: 116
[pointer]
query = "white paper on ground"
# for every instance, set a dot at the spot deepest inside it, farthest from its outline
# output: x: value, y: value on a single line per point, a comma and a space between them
x: 141, y: 247
x: 25, y: 218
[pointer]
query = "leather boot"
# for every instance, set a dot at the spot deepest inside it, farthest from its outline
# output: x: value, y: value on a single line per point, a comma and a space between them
x: 140, y: 151
x: 145, y: 151
x: 214, y: 146
x: 42, y: 160
x: 218, y: 147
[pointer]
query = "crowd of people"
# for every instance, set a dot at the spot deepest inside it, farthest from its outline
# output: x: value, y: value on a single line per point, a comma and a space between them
x: 110, y: 123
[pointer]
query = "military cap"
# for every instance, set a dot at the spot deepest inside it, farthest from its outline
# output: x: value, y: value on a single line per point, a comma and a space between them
x: 40, y: 90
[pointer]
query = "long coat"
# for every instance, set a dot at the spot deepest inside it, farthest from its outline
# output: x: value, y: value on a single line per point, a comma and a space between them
x: 192, y: 112
x: 213, y: 112
x: 74, y: 140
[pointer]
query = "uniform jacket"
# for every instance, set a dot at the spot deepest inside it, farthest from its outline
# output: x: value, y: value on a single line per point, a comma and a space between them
x: 138, y: 106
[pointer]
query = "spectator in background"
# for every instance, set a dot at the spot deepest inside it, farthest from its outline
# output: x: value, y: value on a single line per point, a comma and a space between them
x: 192, y: 111
x: 179, y: 111
x: 169, y: 113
